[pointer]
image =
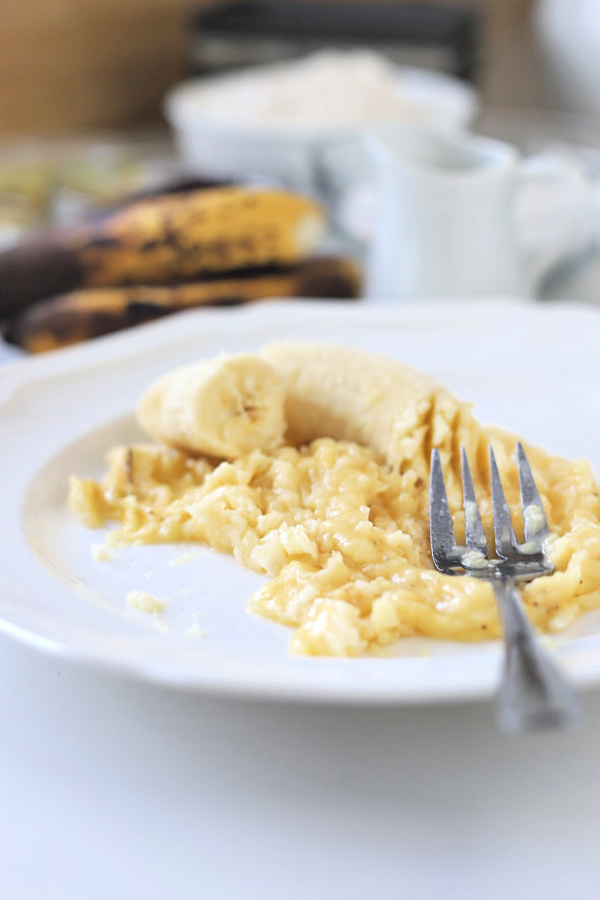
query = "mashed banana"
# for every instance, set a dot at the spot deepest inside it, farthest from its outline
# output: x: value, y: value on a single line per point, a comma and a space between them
x: 343, y: 534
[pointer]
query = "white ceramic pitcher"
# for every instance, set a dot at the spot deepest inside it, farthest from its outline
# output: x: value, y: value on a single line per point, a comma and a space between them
x: 445, y: 222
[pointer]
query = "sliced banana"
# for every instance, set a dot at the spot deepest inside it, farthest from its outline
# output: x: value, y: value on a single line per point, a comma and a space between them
x: 349, y: 394
x: 223, y: 407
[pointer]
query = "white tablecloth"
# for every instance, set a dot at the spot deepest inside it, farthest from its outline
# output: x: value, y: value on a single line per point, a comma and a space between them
x: 115, y: 790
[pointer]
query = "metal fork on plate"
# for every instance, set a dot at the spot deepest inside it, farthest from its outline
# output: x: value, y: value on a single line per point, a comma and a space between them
x: 533, y: 694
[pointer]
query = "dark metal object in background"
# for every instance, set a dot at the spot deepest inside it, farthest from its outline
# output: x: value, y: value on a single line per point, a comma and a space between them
x: 231, y: 35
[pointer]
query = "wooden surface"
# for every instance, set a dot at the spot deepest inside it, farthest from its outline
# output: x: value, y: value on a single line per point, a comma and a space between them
x: 108, y: 63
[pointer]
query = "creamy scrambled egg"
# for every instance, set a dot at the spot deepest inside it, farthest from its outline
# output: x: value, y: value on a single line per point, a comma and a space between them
x: 343, y: 537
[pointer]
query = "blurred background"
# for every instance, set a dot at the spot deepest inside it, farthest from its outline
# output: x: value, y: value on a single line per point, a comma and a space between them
x: 109, y: 64
x: 103, y: 105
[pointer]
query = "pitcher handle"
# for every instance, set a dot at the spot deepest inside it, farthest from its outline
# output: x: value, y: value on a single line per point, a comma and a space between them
x: 575, y: 233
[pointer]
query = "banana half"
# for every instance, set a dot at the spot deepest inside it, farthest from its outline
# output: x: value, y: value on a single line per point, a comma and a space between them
x: 302, y: 391
x: 353, y: 395
x: 224, y: 407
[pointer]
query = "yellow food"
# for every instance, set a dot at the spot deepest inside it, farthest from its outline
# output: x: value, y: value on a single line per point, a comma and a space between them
x: 84, y: 314
x: 222, y: 407
x: 183, y: 236
x: 145, y: 602
x: 341, y: 529
x: 356, y: 396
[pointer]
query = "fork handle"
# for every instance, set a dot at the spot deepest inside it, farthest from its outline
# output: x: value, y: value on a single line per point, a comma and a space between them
x: 533, y: 694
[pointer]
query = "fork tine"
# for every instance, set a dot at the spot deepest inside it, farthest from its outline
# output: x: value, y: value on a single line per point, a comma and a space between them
x: 441, y: 529
x: 506, y: 542
x: 474, y: 534
x: 534, y: 517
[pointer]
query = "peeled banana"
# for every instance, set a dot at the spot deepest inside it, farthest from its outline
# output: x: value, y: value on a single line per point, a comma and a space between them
x: 224, y: 407
x: 164, y: 240
x: 85, y: 314
x: 231, y: 405
x: 353, y: 395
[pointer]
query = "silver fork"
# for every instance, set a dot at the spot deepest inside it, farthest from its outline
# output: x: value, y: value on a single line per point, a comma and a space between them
x: 533, y: 694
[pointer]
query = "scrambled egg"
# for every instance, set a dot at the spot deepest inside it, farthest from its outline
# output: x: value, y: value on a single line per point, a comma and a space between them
x: 344, y: 537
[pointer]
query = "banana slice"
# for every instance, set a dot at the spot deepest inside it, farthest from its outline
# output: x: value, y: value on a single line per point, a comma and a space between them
x: 223, y: 407
x: 349, y: 394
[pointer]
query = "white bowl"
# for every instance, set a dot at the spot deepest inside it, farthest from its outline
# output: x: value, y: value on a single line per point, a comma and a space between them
x: 293, y: 157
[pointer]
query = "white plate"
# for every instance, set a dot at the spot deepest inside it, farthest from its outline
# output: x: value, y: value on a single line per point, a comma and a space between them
x: 531, y: 369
